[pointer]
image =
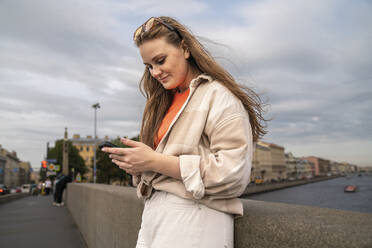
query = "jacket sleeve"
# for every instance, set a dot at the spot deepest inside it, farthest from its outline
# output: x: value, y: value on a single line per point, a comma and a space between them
x: 222, y: 168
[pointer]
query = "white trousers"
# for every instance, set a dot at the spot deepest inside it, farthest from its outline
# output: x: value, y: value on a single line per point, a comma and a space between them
x: 169, y: 221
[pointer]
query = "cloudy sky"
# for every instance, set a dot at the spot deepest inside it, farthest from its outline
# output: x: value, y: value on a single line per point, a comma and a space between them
x: 311, y: 60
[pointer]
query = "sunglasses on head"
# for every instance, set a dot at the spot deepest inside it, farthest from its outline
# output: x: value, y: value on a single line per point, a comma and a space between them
x: 149, y: 24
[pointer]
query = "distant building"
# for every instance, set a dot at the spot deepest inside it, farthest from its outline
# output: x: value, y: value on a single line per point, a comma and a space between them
x: 25, y: 172
x: 367, y: 169
x: 261, y: 163
x: 86, y: 151
x: 321, y: 166
x: 35, y: 176
x: 335, y: 168
x: 10, y: 168
x: 277, y: 162
x: 291, y: 165
x: 345, y: 168
x: 2, y: 168
x: 305, y: 168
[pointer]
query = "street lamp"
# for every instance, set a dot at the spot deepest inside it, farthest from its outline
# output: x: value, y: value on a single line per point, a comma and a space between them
x: 95, y: 106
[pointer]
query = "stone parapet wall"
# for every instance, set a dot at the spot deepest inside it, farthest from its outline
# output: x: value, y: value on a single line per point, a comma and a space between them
x: 110, y: 216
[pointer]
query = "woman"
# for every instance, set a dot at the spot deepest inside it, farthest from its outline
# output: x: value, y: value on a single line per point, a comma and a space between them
x: 197, y: 134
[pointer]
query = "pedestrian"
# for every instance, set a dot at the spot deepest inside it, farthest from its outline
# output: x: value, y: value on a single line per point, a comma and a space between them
x: 48, y: 186
x: 40, y: 188
x: 55, y: 189
x: 194, y: 157
x: 59, y: 189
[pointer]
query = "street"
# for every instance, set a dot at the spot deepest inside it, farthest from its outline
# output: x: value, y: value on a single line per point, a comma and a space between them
x: 33, y: 222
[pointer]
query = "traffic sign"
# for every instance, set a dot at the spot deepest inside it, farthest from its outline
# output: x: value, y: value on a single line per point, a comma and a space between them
x: 51, y: 167
x: 52, y: 160
x: 50, y: 173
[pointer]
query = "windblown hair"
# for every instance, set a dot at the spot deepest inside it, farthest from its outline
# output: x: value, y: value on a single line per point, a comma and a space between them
x: 160, y: 99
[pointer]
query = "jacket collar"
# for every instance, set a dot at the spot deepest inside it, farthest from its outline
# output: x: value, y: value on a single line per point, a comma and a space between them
x: 200, y: 79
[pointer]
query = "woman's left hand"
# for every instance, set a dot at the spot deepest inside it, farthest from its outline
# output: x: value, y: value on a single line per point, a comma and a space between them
x: 133, y: 160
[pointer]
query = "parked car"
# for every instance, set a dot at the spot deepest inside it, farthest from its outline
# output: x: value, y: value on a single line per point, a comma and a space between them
x: 26, y: 188
x: 15, y: 190
x: 4, y: 190
x: 309, y: 177
x: 258, y: 180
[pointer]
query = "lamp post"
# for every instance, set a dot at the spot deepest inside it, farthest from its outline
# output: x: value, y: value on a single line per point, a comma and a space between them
x: 95, y: 106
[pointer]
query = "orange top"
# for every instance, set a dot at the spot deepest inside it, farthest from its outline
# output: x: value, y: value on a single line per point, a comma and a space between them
x: 178, y: 100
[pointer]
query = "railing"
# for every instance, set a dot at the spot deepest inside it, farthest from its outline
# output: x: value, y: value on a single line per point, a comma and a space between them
x: 110, y: 216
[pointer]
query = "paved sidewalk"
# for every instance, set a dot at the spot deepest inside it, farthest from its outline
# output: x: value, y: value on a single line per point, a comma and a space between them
x: 34, y: 222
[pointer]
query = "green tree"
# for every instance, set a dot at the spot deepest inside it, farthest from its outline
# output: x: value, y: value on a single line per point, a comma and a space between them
x: 75, y: 161
x: 42, y: 174
x: 107, y: 172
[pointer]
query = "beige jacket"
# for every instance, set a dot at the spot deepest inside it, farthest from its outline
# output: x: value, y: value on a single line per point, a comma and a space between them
x: 212, y: 136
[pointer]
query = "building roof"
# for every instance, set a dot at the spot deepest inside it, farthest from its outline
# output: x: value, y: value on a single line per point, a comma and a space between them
x: 271, y: 145
x: 258, y: 146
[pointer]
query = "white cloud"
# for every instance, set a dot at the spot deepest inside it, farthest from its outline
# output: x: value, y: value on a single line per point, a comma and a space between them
x: 311, y: 58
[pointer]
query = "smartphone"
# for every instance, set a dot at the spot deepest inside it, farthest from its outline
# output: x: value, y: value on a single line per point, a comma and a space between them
x: 106, y: 144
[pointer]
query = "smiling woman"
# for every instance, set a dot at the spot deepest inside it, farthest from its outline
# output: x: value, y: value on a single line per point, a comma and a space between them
x: 194, y: 157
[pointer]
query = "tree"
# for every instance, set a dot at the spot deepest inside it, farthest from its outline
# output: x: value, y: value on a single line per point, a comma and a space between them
x: 75, y: 161
x: 42, y: 174
x: 107, y: 172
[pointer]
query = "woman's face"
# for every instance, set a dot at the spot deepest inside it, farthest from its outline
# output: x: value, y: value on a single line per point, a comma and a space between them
x: 166, y: 63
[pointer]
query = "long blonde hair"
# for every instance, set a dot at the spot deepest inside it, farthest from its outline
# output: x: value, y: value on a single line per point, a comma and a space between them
x: 160, y: 99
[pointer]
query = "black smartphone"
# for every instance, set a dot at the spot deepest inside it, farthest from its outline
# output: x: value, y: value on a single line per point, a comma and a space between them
x: 106, y: 144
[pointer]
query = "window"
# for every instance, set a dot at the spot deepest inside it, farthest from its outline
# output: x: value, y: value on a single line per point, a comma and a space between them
x: 87, y: 148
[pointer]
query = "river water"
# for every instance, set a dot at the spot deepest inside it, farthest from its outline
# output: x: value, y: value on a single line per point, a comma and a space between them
x: 327, y: 194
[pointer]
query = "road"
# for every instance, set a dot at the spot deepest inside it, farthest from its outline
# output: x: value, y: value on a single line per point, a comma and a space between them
x: 34, y: 222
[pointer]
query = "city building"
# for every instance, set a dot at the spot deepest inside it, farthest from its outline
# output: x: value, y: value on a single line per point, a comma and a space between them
x: 305, y: 168
x: 86, y: 151
x: 335, y: 168
x: 25, y: 172
x: 291, y: 165
x: 346, y: 168
x: 367, y: 169
x: 321, y: 166
x: 13, y: 172
x: 277, y: 162
x: 34, y: 176
x: 261, y: 163
x: 2, y: 167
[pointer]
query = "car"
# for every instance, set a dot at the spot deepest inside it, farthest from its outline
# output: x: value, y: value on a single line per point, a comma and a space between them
x: 309, y: 177
x: 15, y: 190
x: 4, y: 190
x: 259, y: 180
x: 26, y: 188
